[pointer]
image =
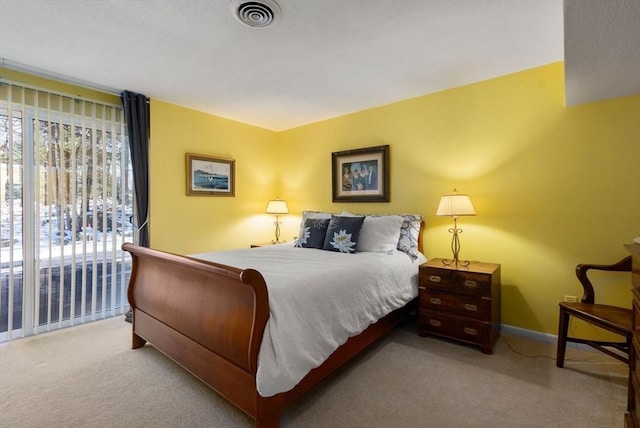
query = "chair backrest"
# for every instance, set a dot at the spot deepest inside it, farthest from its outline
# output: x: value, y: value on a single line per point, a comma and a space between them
x: 589, y: 296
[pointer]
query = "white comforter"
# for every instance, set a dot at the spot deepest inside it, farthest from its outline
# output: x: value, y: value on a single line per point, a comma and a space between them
x: 317, y: 300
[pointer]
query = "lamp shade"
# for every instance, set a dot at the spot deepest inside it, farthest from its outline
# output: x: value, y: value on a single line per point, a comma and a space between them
x: 455, y: 205
x: 277, y: 206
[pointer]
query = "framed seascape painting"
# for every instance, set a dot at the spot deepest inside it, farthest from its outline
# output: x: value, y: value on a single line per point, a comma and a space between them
x: 210, y: 176
x: 361, y: 175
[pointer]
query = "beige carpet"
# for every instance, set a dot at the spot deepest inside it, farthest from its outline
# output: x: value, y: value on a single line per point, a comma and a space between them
x: 87, y: 376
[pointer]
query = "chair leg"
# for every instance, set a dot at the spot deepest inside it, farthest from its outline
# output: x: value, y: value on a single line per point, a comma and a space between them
x: 563, y: 327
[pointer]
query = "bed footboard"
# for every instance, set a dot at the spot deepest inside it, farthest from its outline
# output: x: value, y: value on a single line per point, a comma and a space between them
x: 207, y: 317
x: 210, y: 318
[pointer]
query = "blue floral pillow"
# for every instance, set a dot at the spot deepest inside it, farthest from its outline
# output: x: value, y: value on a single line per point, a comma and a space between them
x: 307, y: 215
x: 342, y: 234
x: 313, y: 233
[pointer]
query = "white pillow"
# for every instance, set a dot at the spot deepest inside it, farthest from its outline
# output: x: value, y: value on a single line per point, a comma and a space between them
x: 380, y: 234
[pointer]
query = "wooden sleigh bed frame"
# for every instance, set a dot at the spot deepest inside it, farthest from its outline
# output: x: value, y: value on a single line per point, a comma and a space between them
x: 209, y: 318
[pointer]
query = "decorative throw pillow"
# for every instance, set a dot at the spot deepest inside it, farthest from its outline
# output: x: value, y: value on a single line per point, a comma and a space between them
x: 342, y: 234
x: 409, y: 232
x: 313, y: 234
x: 380, y: 234
x: 307, y: 215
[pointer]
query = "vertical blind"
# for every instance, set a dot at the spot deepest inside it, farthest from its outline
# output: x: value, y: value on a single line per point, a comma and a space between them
x: 66, y: 207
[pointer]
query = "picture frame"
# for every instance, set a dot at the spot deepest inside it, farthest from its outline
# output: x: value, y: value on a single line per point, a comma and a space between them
x: 361, y: 175
x: 210, y: 176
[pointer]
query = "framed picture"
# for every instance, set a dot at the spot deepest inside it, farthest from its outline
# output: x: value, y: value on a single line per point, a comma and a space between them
x: 209, y: 176
x: 361, y: 175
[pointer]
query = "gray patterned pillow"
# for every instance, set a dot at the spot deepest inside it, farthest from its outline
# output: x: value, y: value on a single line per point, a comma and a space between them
x: 342, y: 234
x: 314, y: 232
x: 409, y: 232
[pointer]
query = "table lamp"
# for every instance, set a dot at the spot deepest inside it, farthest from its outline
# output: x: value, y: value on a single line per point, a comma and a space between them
x: 455, y: 205
x: 277, y: 207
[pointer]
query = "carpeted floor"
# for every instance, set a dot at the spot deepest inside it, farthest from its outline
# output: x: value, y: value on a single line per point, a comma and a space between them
x: 87, y: 376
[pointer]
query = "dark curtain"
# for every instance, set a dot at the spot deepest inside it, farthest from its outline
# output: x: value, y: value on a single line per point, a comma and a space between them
x: 136, y: 111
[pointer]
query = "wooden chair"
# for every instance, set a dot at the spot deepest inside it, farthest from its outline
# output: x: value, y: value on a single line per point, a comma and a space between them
x: 611, y: 318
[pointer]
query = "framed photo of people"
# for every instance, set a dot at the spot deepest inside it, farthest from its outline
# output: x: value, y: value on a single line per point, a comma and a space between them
x: 361, y: 175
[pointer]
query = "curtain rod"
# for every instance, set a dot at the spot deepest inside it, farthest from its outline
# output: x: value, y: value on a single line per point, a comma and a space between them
x: 16, y: 66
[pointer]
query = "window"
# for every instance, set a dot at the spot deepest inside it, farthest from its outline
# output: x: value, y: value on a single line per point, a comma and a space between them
x: 66, y: 207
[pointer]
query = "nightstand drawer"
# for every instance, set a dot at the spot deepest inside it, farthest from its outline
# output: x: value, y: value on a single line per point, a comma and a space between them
x: 456, y: 304
x: 463, y: 328
x: 436, y: 278
x: 474, y: 284
x: 469, y: 283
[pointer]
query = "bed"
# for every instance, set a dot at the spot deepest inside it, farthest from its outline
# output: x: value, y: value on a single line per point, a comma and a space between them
x: 226, y: 316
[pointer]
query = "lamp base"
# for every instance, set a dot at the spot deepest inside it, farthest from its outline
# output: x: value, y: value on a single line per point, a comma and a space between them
x: 449, y: 262
x: 277, y: 223
x: 455, y: 247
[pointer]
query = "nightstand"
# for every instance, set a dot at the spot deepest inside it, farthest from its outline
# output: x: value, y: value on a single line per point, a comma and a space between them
x: 460, y: 303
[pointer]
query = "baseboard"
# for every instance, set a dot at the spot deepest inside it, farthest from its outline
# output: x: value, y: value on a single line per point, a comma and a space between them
x: 541, y: 337
x: 529, y: 334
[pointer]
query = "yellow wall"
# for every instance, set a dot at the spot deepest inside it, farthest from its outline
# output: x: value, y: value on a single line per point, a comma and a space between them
x: 552, y: 186
x: 190, y: 224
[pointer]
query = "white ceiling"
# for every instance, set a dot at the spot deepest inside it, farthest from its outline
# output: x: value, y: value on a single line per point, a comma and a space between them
x: 324, y: 58
x: 602, y: 49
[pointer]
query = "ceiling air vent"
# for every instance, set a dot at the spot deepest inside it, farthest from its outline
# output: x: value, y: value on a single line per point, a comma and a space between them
x: 256, y: 14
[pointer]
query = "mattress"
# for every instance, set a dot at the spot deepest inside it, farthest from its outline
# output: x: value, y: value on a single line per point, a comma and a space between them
x: 317, y: 300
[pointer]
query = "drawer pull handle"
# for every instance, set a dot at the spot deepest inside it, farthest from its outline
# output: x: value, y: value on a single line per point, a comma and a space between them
x: 470, y: 307
x: 471, y: 331
x: 434, y: 278
x: 470, y: 283
x: 435, y: 301
x: 435, y: 323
